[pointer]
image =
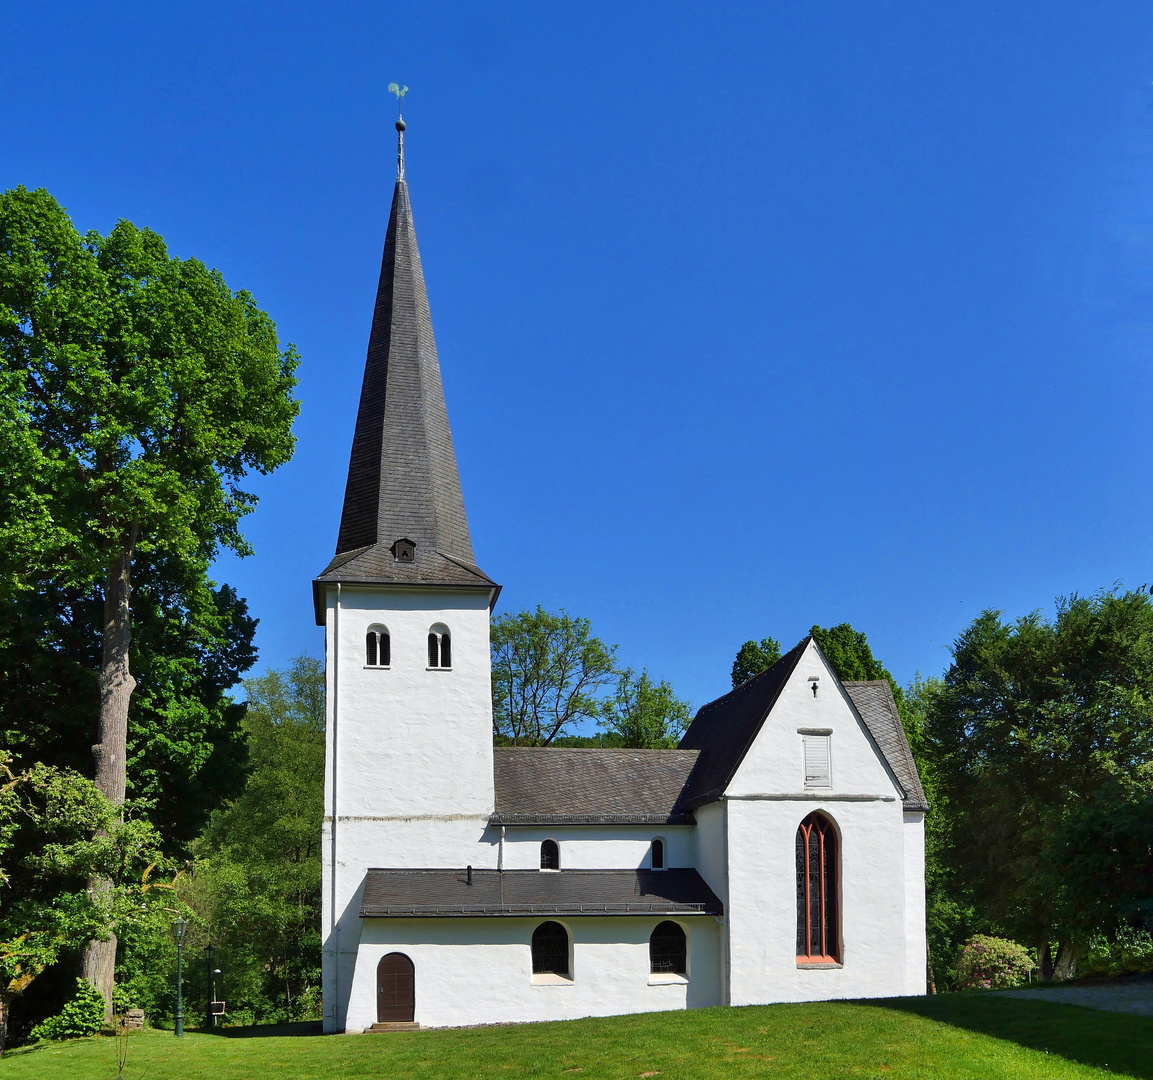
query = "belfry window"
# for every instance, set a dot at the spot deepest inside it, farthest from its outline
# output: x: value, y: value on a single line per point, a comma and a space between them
x: 657, y: 854
x: 549, y: 855
x: 439, y: 647
x: 377, y: 647
x: 668, y: 950
x: 817, y: 901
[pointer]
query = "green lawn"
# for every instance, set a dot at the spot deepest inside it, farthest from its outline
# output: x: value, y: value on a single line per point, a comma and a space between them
x: 948, y: 1036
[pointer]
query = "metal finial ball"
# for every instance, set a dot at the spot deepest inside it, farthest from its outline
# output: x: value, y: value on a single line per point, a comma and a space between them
x: 400, y: 125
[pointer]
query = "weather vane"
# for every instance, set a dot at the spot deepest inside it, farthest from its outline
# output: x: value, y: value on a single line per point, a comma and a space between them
x: 399, y: 91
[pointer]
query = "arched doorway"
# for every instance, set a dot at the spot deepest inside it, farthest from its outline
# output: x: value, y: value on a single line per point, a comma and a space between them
x: 395, y: 990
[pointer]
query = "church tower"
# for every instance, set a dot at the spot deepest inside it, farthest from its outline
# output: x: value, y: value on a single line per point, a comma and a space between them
x: 409, y: 761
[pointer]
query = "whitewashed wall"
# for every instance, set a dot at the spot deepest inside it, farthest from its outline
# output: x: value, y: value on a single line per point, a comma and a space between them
x: 479, y: 971
x: 408, y: 768
x: 599, y: 847
x: 766, y: 802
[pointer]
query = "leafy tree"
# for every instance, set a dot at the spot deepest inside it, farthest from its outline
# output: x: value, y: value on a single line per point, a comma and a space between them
x: 753, y: 657
x: 55, y: 828
x: 644, y: 714
x: 848, y: 651
x: 1037, y: 723
x: 257, y: 883
x: 142, y: 390
x: 547, y: 674
x: 1100, y: 863
x: 186, y: 750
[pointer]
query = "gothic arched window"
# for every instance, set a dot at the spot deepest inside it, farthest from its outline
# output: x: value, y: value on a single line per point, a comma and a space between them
x: 668, y: 950
x: 817, y: 922
x: 549, y: 855
x: 550, y: 949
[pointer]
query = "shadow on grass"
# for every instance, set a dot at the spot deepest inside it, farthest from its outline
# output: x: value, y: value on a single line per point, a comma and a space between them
x: 1120, y: 1042
x: 268, y: 1031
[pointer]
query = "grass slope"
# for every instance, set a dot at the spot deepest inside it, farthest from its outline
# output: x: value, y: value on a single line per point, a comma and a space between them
x: 953, y: 1036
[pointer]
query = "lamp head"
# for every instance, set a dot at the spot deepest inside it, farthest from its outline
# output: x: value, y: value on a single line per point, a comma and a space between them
x: 179, y: 930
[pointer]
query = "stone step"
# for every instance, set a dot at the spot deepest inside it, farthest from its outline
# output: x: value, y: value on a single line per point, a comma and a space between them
x: 398, y: 1026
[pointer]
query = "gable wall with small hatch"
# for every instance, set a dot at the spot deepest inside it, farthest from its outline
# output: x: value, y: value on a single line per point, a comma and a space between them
x: 880, y: 949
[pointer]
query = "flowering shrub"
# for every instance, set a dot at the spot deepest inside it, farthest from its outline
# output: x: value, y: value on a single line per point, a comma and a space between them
x: 989, y: 963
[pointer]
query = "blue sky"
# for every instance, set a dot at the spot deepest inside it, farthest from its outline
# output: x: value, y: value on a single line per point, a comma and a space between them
x: 750, y: 316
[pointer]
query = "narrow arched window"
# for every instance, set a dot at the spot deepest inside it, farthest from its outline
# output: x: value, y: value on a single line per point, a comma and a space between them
x: 657, y: 854
x: 668, y: 950
x: 817, y: 922
x: 439, y: 647
x: 549, y: 855
x: 377, y: 652
x: 550, y: 949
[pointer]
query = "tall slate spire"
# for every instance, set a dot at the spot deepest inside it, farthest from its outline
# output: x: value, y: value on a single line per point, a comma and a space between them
x: 403, y: 520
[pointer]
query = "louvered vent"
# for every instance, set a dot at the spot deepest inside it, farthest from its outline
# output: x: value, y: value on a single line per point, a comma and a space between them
x: 817, y: 761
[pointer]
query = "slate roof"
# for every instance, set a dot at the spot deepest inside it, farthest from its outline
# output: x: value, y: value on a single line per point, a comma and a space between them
x: 402, y: 472
x: 724, y: 730
x: 874, y: 701
x: 446, y: 893
x: 545, y: 785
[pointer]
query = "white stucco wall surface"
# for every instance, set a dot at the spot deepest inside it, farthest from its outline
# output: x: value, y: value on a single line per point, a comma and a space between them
x: 916, y: 944
x: 479, y: 971
x: 408, y: 767
x: 766, y: 802
x: 599, y: 847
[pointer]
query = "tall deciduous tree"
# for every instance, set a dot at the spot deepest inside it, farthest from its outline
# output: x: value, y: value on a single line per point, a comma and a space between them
x: 257, y: 882
x: 1038, y: 726
x: 548, y: 674
x: 144, y: 390
x: 55, y: 827
x: 644, y: 714
x: 753, y: 657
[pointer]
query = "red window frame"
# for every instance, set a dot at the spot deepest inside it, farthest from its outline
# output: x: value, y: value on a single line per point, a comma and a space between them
x: 817, y: 900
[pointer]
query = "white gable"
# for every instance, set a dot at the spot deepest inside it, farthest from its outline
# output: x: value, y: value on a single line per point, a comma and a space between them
x: 813, y: 742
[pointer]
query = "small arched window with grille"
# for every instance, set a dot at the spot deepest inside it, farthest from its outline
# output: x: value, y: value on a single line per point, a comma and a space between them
x: 817, y: 900
x: 377, y: 647
x: 550, y: 950
x: 549, y: 855
x: 439, y: 647
x: 657, y: 854
x: 668, y: 950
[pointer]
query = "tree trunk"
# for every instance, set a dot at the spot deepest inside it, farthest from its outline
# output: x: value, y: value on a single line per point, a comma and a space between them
x: 109, y: 755
x: 1044, y: 961
x: 1066, y: 966
x: 4, y: 999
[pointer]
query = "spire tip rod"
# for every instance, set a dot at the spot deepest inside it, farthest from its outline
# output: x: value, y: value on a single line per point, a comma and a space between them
x: 399, y: 91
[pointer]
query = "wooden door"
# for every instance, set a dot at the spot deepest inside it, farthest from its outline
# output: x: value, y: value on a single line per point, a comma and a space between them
x: 395, y: 990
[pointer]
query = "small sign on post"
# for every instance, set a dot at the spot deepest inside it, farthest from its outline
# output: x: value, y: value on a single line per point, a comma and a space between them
x: 218, y: 1008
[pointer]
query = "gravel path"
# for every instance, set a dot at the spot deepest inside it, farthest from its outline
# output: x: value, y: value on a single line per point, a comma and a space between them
x: 1133, y: 997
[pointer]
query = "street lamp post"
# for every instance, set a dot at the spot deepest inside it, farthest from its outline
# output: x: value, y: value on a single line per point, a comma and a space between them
x: 179, y: 932
x: 209, y: 1020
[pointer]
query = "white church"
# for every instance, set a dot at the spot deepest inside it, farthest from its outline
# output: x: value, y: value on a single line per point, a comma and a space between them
x: 776, y: 855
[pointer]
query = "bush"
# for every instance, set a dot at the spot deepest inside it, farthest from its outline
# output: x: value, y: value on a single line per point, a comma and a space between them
x: 1128, y: 952
x: 80, y: 1017
x: 989, y: 963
